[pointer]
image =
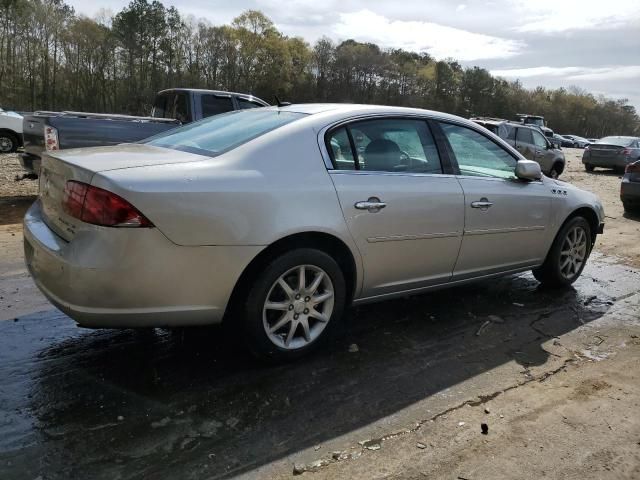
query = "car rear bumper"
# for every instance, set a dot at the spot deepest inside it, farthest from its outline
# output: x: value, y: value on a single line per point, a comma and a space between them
x: 630, y: 192
x: 116, y: 277
x: 606, y: 162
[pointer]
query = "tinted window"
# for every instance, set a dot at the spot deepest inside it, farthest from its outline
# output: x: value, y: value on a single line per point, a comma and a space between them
x: 539, y: 140
x: 182, y: 107
x: 222, y: 133
x: 395, y: 145
x: 163, y: 106
x: 477, y: 155
x: 524, y: 136
x: 244, y: 104
x: 340, y: 150
x: 213, y: 105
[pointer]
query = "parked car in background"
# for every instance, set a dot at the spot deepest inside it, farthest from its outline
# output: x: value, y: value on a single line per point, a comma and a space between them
x: 630, y: 187
x: 578, y: 142
x: 535, y: 121
x: 10, y: 131
x: 611, y: 152
x: 529, y: 141
x: 48, y: 131
x: 279, y: 217
x: 593, y: 140
x: 562, y: 141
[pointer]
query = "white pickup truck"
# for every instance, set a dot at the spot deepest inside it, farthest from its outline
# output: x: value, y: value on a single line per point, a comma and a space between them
x: 10, y: 131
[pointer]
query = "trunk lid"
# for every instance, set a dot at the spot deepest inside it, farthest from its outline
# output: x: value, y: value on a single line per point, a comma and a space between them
x: 603, y: 150
x: 82, y: 164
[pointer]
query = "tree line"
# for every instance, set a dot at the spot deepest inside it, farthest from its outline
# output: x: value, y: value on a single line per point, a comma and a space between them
x: 53, y: 59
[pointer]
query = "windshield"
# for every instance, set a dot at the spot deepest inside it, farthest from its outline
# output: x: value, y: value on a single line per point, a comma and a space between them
x: 620, y: 141
x: 535, y: 121
x: 221, y: 133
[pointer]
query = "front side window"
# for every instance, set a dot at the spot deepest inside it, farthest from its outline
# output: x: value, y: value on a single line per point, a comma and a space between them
x: 388, y: 145
x: 477, y: 155
x: 539, y: 140
x: 214, y: 105
x: 221, y: 133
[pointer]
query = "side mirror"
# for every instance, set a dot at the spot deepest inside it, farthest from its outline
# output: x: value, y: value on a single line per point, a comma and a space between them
x: 528, y: 170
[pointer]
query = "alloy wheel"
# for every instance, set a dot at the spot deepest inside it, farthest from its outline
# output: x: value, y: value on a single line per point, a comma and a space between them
x: 574, y: 252
x: 298, y: 307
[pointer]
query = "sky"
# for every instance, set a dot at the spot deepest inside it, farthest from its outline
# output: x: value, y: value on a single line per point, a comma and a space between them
x: 594, y: 45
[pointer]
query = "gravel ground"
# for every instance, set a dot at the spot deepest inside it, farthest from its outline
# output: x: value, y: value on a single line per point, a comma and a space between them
x: 9, y: 169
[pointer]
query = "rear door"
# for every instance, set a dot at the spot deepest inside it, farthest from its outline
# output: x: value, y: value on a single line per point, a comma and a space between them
x: 402, y: 204
x: 505, y: 218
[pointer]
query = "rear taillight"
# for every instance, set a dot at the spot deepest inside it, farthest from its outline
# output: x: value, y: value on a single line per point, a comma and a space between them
x: 633, y: 167
x: 51, y: 138
x: 100, y: 207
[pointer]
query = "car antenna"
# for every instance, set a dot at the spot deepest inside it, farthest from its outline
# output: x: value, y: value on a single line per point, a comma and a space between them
x: 280, y: 103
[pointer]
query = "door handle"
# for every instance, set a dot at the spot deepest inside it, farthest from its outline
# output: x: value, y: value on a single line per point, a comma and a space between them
x: 373, y: 205
x: 483, y: 203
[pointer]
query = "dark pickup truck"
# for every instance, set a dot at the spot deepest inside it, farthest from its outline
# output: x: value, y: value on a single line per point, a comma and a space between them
x: 61, y: 130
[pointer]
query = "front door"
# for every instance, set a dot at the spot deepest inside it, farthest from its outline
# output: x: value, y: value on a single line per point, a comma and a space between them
x: 505, y: 218
x: 405, y: 214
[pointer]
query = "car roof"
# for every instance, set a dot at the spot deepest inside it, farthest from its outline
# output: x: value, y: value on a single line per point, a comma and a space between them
x: 213, y: 92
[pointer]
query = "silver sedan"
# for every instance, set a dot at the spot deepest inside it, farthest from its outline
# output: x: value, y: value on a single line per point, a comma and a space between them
x: 279, y: 218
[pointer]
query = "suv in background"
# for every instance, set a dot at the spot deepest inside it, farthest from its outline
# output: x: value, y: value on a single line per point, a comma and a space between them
x: 529, y: 141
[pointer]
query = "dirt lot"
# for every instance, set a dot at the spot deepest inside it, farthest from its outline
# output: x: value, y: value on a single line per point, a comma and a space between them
x: 554, y: 376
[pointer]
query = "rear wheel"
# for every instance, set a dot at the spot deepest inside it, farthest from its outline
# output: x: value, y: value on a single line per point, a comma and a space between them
x: 8, y: 142
x: 294, y: 305
x: 568, y: 255
x: 589, y: 168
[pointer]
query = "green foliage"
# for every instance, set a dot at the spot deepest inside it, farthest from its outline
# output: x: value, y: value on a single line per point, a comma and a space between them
x: 51, y: 58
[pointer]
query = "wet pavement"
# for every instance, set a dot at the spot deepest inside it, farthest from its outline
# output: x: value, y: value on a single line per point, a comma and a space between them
x: 77, y: 403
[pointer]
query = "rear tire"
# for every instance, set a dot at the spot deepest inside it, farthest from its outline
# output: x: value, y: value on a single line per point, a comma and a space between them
x: 568, y: 254
x: 589, y: 168
x: 281, y: 323
x: 8, y: 142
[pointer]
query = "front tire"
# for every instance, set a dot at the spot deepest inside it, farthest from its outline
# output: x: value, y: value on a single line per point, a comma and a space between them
x: 8, y: 143
x: 294, y: 305
x: 568, y: 255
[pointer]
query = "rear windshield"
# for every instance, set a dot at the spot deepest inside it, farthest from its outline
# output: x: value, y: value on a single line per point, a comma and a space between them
x: 221, y: 133
x: 620, y: 141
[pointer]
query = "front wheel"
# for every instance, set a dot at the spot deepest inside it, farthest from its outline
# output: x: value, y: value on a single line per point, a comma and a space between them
x: 568, y: 255
x: 8, y: 143
x: 294, y: 304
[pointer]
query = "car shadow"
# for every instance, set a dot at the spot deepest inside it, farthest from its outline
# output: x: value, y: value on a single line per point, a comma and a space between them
x: 191, y: 403
x: 12, y: 209
x: 634, y: 215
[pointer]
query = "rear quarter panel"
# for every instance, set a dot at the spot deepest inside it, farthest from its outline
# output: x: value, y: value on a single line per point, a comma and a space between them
x: 267, y: 189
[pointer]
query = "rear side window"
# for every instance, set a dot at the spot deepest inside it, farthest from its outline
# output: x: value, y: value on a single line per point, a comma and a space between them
x: 477, y: 155
x: 524, y: 136
x: 163, y: 106
x: 214, y: 105
x: 221, y: 133
x: 340, y: 150
x: 386, y: 145
x: 245, y: 104
x: 182, y: 107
